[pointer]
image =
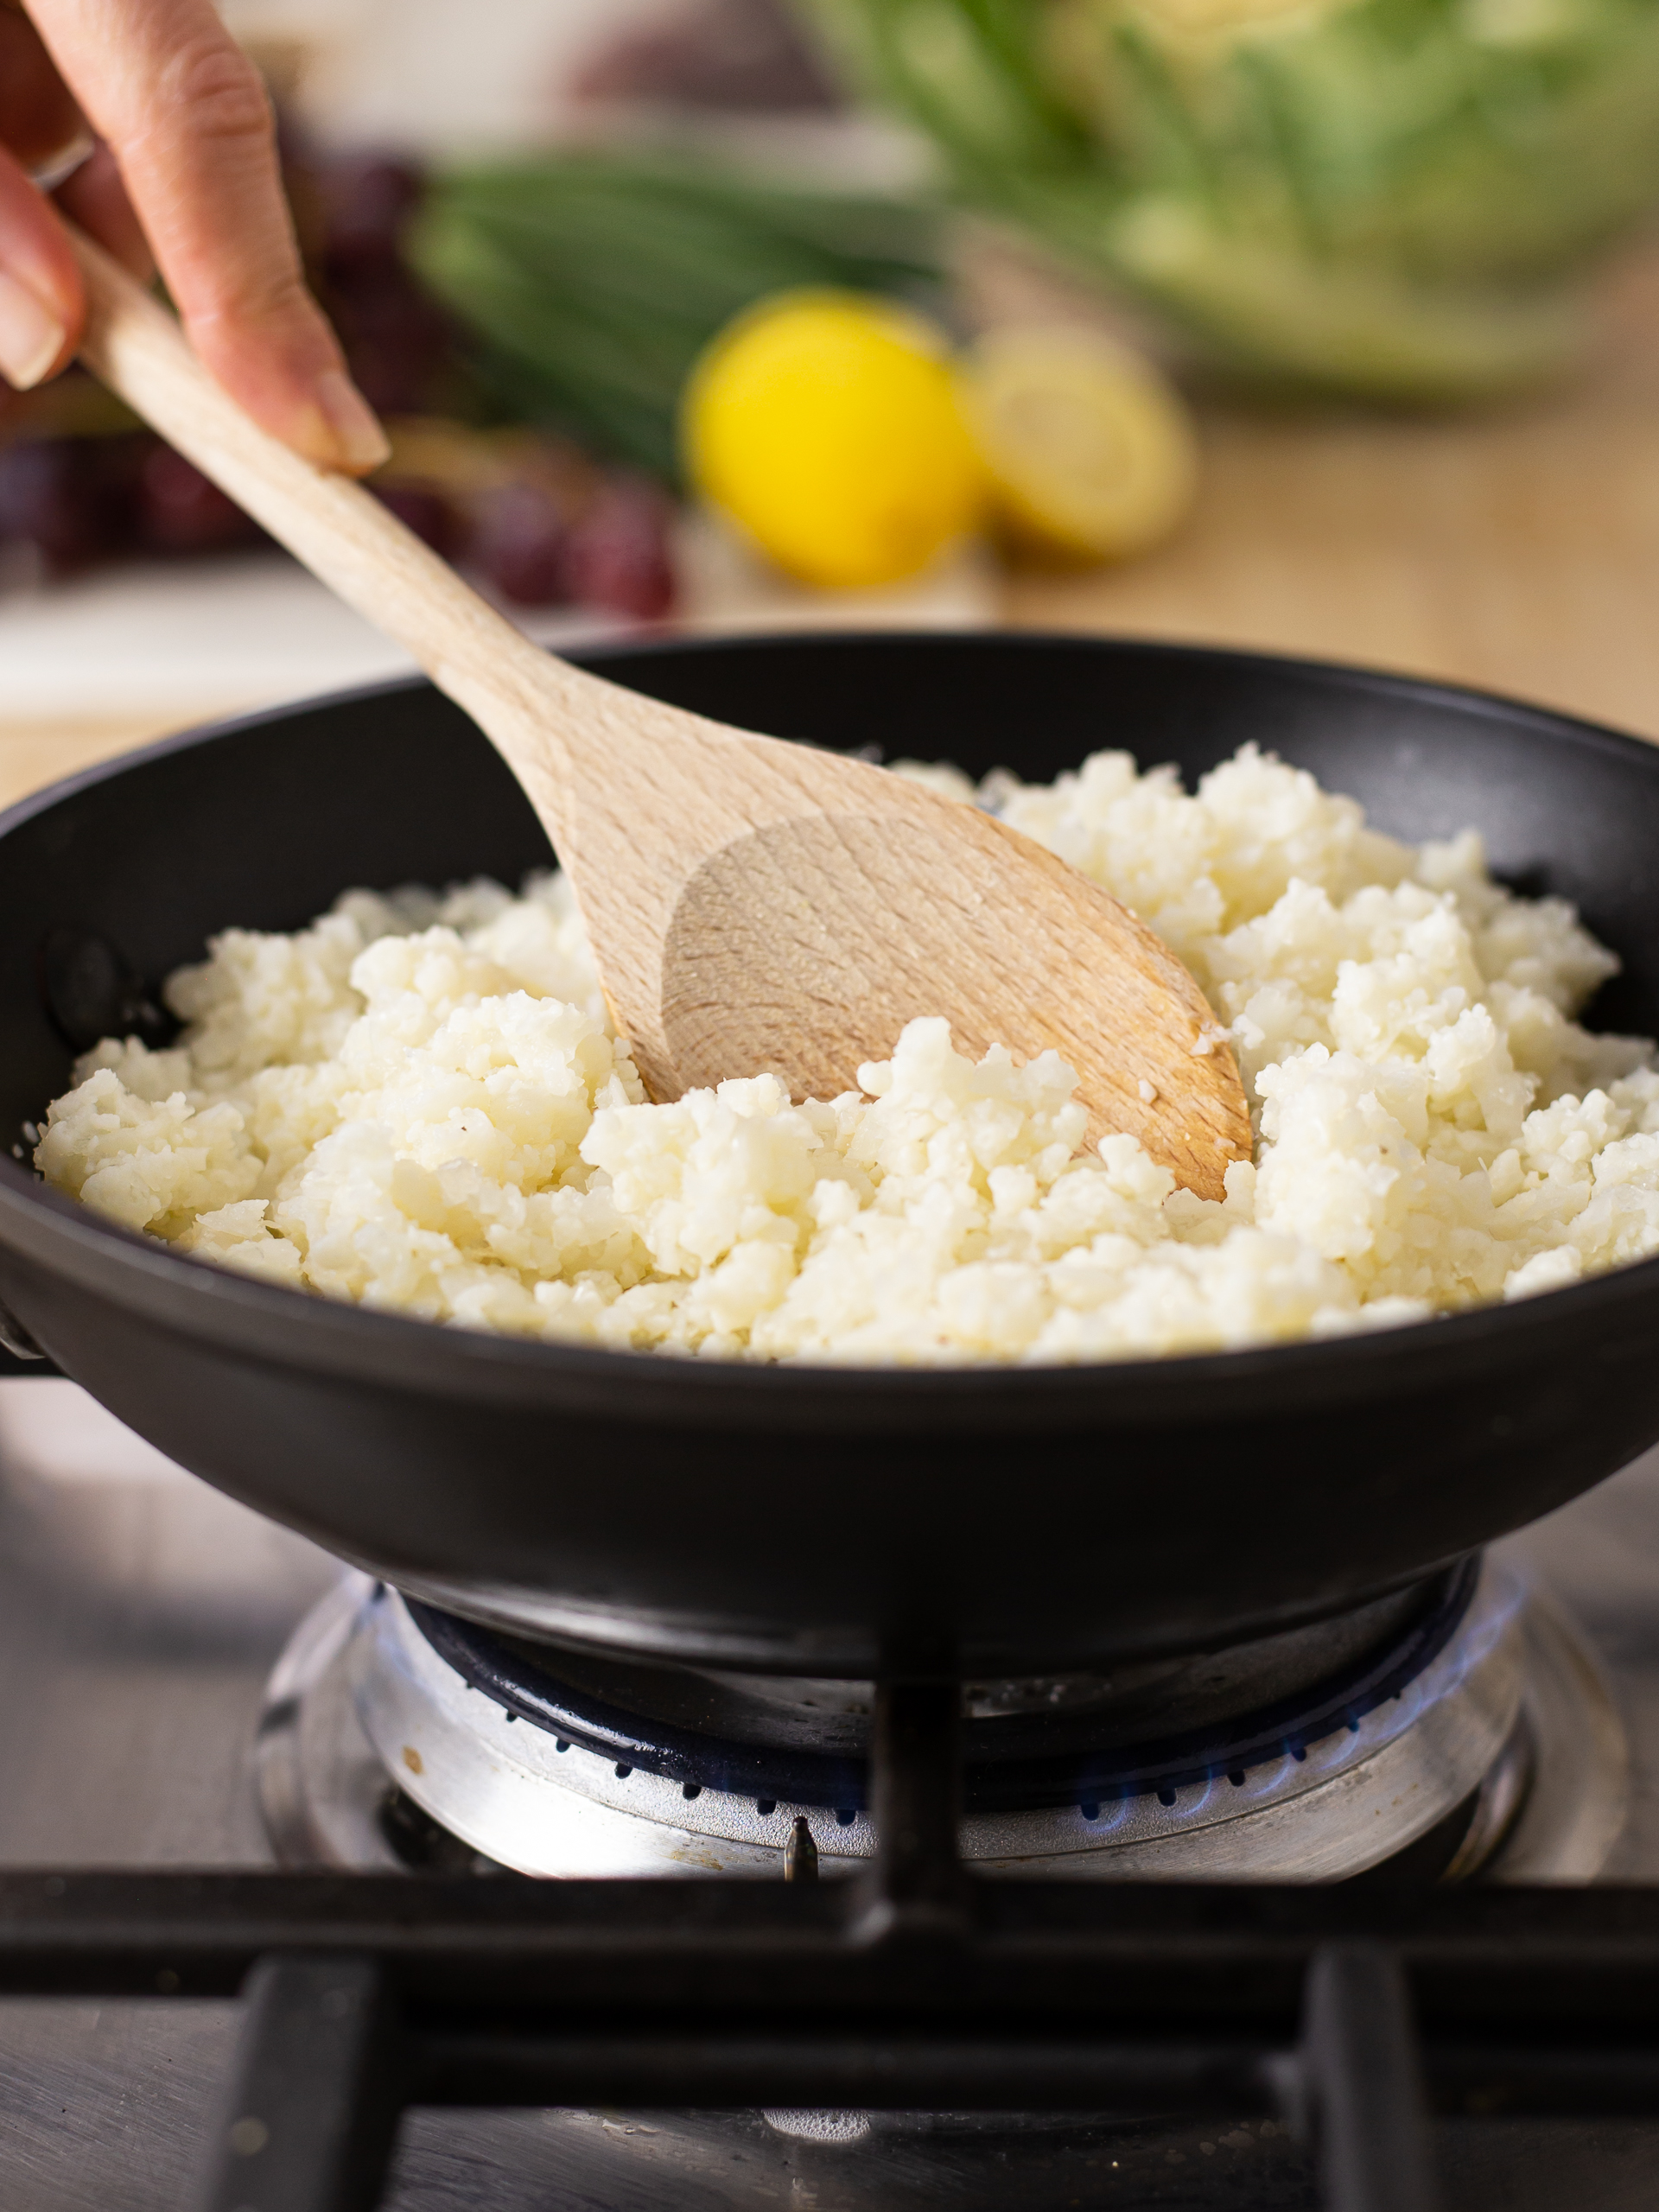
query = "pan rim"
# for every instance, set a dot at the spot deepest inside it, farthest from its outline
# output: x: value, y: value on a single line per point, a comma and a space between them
x: 281, y: 1326
x: 1349, y: 675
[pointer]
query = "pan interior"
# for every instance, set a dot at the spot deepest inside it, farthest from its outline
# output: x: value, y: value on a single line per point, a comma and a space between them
x: 265, y: 824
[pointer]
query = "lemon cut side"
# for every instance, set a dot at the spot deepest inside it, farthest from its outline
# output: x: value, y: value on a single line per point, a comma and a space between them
x: 1090, y: 454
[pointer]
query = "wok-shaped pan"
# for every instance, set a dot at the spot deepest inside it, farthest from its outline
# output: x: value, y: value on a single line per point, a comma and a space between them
x: 809, y: 1519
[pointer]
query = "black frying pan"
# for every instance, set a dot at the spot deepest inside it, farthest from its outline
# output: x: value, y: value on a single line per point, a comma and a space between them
x: 813, y: 1520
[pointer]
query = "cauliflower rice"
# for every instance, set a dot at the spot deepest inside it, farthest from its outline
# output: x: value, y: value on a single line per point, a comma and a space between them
x: 418, y: 1103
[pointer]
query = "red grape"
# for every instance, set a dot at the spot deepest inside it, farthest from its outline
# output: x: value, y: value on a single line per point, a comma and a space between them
x: 398, y: 343
x: 180, y: 511
x: 367, y: 200
x: 423, y: 509
x: 70, y: 498
x: 518, y: 543
x: 618, y: 556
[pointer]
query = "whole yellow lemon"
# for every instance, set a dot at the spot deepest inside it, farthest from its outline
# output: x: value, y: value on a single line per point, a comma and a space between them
x: 827, y: 426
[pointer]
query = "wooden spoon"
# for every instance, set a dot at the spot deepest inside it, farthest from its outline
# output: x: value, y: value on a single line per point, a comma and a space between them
x: 752, y: 905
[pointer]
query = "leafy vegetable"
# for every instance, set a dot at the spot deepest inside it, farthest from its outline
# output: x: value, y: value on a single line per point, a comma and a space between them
x: 1397, y: 196
x: 592, y: 281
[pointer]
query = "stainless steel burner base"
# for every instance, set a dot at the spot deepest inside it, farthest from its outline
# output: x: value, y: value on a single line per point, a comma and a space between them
x: 1515, y: 1707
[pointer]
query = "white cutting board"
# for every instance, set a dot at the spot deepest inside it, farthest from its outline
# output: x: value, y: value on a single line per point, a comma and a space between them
x: 154, y: 644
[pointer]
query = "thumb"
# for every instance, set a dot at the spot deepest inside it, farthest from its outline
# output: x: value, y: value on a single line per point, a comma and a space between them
x: 41, y: 303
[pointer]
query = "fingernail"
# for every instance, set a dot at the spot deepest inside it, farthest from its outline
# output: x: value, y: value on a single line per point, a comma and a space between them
x: 361, y: 440
x: 31, y: 337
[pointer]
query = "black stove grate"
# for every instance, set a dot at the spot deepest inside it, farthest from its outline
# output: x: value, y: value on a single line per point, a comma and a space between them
x: 1354, y: 2015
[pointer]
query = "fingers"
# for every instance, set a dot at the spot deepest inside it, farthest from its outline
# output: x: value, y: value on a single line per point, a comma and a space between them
x: 189, y: 126
x: 39, y: 289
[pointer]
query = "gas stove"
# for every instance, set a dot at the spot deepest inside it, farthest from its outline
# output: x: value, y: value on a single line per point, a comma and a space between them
x: 187, y: 1686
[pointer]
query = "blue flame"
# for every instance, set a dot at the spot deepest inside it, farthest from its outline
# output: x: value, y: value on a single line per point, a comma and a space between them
x: 1358, y: 1735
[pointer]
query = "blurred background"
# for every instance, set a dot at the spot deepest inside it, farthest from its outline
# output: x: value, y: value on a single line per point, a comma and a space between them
x: 1322, y: 326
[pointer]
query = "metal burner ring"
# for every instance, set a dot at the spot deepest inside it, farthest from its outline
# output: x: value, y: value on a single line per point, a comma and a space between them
x: 1321, y: 1809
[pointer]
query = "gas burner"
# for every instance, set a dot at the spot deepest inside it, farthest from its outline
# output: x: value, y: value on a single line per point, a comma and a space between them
x: 1456, y: 1728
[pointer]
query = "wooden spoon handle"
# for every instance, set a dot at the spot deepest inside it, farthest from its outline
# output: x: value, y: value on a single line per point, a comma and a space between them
x: 339, y: 532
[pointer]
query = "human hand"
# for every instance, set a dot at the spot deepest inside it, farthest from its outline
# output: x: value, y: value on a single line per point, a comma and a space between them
x: 184, y: 170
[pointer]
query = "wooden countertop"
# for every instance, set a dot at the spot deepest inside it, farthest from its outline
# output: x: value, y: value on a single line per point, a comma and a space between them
x: 1516, y: 548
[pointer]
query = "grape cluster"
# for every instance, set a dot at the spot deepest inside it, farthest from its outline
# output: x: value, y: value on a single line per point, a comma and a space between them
x: 606, y: 549
x: 78, y: 500
x: 530, y: 515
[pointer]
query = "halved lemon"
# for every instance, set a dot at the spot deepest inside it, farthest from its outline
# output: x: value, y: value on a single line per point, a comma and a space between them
x: 1089, y: 452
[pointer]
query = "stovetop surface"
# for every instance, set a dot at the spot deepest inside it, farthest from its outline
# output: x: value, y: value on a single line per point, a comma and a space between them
x: 140, y: 1614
